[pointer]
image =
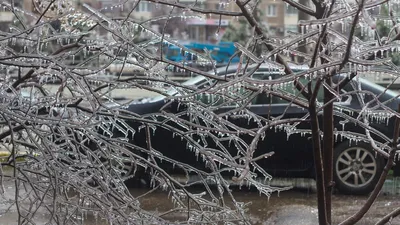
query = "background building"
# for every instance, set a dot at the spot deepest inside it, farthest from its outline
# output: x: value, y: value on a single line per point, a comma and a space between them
x: 276, y: 16
x: 212, y: 28
x: 290, y: 19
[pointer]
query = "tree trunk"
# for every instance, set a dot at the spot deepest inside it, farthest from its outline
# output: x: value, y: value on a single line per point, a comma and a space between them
x: 327, y: 152
x: 318, y: 159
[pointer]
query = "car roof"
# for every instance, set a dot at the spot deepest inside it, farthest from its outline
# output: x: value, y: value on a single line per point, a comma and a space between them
x: 266, y: 66
x: 269, y: 67
x: 378, y: 89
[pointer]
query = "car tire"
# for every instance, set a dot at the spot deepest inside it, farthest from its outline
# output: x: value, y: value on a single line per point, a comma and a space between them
x: 356, y: 168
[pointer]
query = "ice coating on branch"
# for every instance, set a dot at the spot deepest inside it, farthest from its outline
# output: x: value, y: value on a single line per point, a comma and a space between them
x: 84, y: 138
x: 368, y: 19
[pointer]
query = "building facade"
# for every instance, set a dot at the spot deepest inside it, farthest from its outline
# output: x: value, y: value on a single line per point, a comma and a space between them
x: 210, y: 28
x: 276, y: 16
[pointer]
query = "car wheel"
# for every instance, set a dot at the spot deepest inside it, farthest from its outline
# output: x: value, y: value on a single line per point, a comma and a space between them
x: 356, y: 168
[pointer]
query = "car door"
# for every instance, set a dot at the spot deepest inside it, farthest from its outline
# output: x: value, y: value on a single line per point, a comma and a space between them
x: 292, y: 151
x: 183, y: 145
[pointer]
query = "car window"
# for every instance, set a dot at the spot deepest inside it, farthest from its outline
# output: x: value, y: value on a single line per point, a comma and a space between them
x: 290, y: 89
x: 260, y: 99
x: 350, y: 87
x: 215, y: 99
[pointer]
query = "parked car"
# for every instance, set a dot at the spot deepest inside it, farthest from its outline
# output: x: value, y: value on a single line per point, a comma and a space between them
x: 130, y: 67
x: 356, y: 166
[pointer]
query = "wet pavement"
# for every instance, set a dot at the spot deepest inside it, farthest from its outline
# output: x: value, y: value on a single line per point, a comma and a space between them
x: 293, y: 207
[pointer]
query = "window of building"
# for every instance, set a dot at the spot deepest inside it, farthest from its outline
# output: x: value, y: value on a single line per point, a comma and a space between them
x: 272, y: 30
x: 291, y: 10
x: 292, y: 28
x: 271, y: 11
x: 143, y: 7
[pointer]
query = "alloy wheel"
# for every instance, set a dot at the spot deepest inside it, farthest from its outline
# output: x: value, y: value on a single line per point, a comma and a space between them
x: 356, y: 167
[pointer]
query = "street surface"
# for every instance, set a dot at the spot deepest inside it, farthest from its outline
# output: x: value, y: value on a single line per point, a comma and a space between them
x: 293, y: 207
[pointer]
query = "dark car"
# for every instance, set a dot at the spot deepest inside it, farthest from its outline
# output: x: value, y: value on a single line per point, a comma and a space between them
x: 356, y: 166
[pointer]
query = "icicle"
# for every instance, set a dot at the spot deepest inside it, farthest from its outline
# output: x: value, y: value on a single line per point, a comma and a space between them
x: 368, y: 19
x: 342, y: 25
